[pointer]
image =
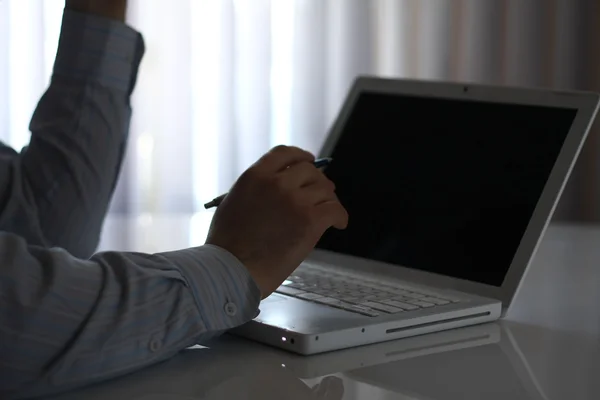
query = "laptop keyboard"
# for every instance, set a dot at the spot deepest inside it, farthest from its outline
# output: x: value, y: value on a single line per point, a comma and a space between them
x: 366, y: 298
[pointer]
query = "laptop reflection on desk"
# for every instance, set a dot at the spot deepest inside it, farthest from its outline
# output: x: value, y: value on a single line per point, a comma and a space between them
x: 479, y: 362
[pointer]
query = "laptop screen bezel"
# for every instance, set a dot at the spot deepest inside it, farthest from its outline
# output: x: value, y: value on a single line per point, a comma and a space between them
x: 586, y: 105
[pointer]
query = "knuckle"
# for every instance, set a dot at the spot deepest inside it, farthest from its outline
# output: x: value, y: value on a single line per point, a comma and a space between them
x: 301, y: 151
x: 279, y: 149
x: 285, y: 150
x: 306, y: 170
x: 252, y: 174
x: 285, y: 192
x: 325, y: 183
x: 281, y: 183
x: 298, y: 204
x: 329, y: 185
x: 256, y: 179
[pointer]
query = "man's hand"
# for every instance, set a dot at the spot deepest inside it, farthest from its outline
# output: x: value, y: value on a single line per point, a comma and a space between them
x: 113, y: 9
x: 275, y: 214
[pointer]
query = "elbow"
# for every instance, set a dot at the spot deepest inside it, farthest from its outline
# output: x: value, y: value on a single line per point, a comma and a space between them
x: 65, y: 216
x: 85, y: 248
x: 27, y: 210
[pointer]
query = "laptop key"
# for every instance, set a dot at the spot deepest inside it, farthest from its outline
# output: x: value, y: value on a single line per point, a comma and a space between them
x: 422, y: 304
x: 453, y: 299
x: 289, y: 291
x: 368, y: 290
x: 342, y: 292
x: 370, y: 297
x: 309, y: 296
x: 436, y: 301
x: 399, y: 292
x: 360, y: 310
x: 327, y: 300
x: 296, y: 285
x: 352, y: 300
x: 412, y: 295
x: 356, y: 293
x: 382, y: 307
x: 400, y: 304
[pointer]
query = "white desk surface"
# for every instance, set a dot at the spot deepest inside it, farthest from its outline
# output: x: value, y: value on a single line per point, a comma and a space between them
x: 548, y: 347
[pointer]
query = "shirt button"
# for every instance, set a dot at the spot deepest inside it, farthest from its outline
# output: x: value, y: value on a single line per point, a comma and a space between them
x: 230, y: 309
x: 155, y: 345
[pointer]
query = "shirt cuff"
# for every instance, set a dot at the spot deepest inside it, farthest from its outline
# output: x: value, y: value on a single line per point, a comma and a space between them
x: 226, y: 294
x: 97, y: 49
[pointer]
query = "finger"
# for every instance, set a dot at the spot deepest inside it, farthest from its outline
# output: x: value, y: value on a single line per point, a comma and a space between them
x: 331, y: 214
x: 318, y: 192
x: 281, y: 157
x: 301, y: 175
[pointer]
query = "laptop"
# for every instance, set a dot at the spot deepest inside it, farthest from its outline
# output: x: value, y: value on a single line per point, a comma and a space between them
x: 449, y: 188
x: 480, y: 361
x: 384, y: 354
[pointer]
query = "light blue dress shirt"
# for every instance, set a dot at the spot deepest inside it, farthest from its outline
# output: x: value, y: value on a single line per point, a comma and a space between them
x: 66, y: 319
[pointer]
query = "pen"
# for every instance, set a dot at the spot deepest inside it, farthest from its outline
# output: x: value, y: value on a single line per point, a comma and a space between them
x: 318, y: 163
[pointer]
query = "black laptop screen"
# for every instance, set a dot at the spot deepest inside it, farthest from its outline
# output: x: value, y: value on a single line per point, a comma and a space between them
x: 441, y: 185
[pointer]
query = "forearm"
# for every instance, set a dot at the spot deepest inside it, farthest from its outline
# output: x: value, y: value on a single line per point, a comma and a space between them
x: 66, y: 322
x: 79, y: 131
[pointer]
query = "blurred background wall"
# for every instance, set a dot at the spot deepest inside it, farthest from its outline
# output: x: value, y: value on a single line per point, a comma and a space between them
x: 224, y: 80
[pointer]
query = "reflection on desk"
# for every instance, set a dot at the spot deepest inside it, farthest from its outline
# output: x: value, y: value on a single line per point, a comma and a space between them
x: 548, y: 347
x: 481, y: 362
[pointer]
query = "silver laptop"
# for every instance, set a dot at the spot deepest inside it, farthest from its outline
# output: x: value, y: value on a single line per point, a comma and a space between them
x: 385, y: 353
x: 478, y: 362
x: 449, y: 188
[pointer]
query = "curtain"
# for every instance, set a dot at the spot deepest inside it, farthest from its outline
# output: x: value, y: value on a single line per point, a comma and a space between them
x: 225, y: 80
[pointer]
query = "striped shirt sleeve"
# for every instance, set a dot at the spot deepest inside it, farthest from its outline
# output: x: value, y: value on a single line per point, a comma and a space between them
x: 98, y: 50
x: 56, y: 191
x: 68, y: 320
